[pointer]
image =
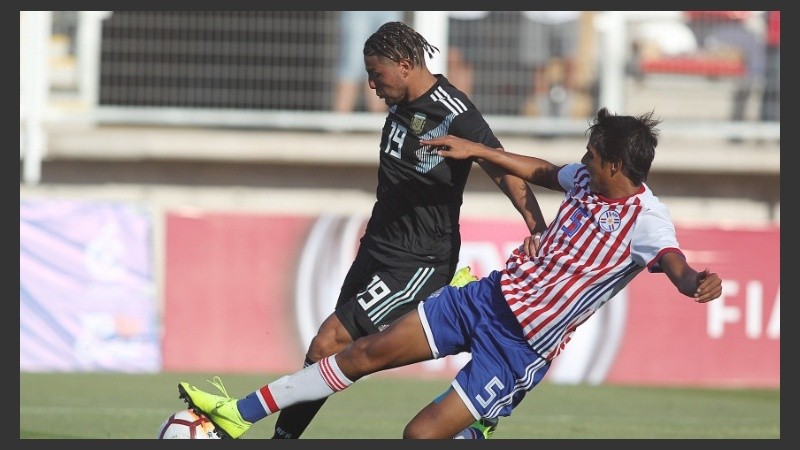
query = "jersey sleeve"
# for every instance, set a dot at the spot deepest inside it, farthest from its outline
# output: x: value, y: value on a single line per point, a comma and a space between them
x: 654, y: 236
x: 471, y: 126
x: 566, y: 175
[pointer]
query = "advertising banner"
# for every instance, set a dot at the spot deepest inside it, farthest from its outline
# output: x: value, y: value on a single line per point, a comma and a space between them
x: 87, y: 298
x: 261, y: 285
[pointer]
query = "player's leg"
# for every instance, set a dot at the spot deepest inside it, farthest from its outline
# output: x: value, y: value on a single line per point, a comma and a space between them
x: 331, y: 338
x: 445, y: 316
x: 482, y: 428
x: 372, y: 297
x: 434, y: 329
x: 440, y: 420
x: 503, y: 367
x: 402, y: 343
x: 293, y: 421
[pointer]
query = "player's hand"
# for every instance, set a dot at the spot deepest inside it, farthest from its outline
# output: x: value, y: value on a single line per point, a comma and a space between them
x: 709, y: 286
x: 451, y: 147
x: 531, y: 244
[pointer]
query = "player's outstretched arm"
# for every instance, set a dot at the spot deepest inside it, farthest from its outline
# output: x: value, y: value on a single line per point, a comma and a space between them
x: 519, y: 192
x: 535, y: 170
x: 702, y: 286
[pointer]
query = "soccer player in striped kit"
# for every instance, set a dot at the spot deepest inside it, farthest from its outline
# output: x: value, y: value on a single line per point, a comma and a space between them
x: 515, y: 321
x: 412, y: 240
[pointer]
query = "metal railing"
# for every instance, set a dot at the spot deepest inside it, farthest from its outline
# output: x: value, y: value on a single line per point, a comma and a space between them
x: 278, y: 70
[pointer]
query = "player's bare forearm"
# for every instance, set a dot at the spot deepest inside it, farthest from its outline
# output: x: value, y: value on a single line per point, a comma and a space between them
x: 529, y: 168
x: 702, y: 286
x: 520, y: 194
x: 526, y: 203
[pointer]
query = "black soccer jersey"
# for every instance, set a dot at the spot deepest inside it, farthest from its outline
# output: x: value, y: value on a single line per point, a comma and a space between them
x: 416, y: 216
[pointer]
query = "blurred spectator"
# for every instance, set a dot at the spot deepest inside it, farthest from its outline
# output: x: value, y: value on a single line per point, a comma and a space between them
x: 771, y: 97
x: 65, y: 25
x: 351, y: 82
x: 584, y: 80
x: 733, y: 31
x: 548, y: 45
x: 465, y: 40
x: 667, y: 36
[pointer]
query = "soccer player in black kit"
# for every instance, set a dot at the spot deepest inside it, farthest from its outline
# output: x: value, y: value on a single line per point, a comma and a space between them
x: 412, y: 241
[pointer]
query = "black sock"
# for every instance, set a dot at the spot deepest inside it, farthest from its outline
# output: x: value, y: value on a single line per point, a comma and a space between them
x: 293, y: 420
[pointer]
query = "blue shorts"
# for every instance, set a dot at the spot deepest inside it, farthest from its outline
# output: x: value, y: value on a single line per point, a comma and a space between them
x: 477, y: 319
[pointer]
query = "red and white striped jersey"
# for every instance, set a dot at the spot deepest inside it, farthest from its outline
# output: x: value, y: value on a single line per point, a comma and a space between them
x: 590, y: 251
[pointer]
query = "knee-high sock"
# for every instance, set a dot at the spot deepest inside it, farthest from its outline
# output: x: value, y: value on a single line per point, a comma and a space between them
x: 292, y: 421
x: 314, y: 382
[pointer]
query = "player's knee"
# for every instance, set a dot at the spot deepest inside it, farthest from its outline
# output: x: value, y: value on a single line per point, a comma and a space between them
x: 365, y: 355
x: 321, y: 346
x: 419, y: 430
x: 362, y: 350
x: 331, y: 338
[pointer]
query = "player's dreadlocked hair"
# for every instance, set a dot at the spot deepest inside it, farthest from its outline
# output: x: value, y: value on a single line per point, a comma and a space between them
x: 396, y: 40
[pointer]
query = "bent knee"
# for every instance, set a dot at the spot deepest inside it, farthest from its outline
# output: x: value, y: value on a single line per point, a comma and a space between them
x: 328, y: 342
x: 419, y: 430
x: 322, y: 346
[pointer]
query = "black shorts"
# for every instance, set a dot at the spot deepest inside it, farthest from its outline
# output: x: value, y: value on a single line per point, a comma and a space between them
x: 374, y: 295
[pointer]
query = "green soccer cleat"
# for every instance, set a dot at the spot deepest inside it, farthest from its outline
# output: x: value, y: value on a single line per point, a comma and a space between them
x: 485, y: 427
x: 221, y: 411
x: 463, y: 277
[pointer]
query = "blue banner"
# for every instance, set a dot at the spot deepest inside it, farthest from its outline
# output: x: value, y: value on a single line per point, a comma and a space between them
x: 87, y: 295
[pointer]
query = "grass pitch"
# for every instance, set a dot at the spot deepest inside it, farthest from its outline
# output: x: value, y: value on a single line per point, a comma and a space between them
x: 125, y: 406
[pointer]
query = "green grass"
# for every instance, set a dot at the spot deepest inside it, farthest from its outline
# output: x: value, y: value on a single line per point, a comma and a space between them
x: 124, y: 406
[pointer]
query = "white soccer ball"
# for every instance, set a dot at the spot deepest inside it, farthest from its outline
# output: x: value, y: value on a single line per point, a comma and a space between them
x: 186, y: 424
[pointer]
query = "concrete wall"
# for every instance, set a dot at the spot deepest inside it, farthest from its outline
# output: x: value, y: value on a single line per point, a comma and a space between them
x: 701, y: 180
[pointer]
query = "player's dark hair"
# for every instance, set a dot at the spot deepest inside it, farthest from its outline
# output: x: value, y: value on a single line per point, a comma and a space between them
x: 396, y: 41
x: 631, y: 140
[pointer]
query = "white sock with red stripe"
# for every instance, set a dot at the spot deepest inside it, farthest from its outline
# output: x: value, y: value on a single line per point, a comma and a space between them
x: 314, y: 382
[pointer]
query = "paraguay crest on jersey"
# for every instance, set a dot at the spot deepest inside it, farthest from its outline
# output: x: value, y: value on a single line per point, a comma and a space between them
x: 609, y: 221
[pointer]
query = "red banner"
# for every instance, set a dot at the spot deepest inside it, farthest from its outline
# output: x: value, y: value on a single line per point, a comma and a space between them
x: 228, y: 292
x: 732, y: 341
x: 246, y: 292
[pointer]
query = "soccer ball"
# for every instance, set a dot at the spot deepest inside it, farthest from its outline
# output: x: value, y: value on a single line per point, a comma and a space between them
x: 186, y: 424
